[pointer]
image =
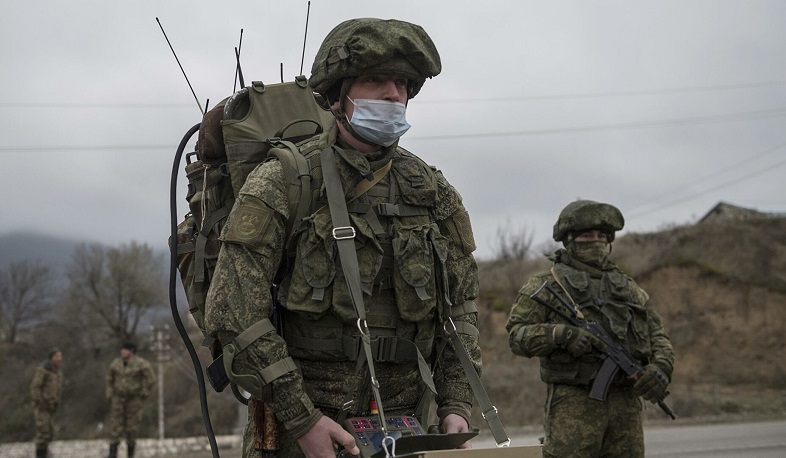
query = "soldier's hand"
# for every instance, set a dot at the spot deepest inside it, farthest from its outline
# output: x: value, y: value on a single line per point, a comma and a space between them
x: 453, y: 423
x: 319, y: 440
x: 652, y: 384
x: 576, y: 340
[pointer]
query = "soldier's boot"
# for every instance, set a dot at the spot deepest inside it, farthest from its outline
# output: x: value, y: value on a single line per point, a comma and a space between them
x: 112, y: 450
x: 41, y: 451
x: 131, y: 448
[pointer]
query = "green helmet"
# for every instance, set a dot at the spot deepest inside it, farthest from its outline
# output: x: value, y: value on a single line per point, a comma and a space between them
x: 583, y: 215
x: 375, y: 46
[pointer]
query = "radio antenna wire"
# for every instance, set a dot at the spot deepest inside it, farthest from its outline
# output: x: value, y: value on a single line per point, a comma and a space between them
x: 305, y: 35
x: 181, y: 67
x: 237, y: 68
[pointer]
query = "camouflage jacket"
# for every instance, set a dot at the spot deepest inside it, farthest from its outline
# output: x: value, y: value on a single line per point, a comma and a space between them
x: 134, y: 378
x: 314, y: 291
x: 606, y: 296
x: 46, y: 386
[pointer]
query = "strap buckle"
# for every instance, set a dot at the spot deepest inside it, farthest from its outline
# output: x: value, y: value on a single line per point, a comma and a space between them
x: 344, y: 233
x: 347, y: 405
x: 492, y: 413
x: 449, y: 330
x: 388, y: 209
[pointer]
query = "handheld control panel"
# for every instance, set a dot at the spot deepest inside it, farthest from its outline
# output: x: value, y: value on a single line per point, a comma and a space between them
x: 368, y: 432
x: 407, y: 432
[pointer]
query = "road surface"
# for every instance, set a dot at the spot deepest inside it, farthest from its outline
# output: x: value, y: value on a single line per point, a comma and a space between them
x: 749, y: 440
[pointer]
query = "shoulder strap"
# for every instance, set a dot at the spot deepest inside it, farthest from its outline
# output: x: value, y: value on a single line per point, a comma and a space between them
x: 299, y: 178
x: 488, y: 410
x: 296, y: 166
x: 344, y: 234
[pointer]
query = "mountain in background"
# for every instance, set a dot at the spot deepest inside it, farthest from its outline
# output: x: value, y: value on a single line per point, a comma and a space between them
x: 52, y: 251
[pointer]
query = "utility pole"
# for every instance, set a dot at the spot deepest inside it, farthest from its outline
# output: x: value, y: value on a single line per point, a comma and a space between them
x: 161, y: 347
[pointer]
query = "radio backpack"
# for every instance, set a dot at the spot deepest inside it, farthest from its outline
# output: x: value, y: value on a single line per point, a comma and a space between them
x: 257, y: 123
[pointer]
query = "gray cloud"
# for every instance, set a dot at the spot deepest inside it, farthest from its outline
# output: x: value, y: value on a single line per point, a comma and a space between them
x: 643, y: 104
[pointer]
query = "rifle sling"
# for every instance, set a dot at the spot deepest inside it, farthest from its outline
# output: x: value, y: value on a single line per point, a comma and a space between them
x: 365, y: 185
x: 559, y: 282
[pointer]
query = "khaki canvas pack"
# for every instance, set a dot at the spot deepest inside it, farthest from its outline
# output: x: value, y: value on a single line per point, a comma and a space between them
x: 257, y: 123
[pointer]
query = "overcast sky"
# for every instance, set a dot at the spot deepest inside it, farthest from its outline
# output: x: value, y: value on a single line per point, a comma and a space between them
x: 663, y: 108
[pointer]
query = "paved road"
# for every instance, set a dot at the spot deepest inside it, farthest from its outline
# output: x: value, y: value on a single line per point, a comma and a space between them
x: 748, y: 440
x: 723, y: 440
x: 766, y: 439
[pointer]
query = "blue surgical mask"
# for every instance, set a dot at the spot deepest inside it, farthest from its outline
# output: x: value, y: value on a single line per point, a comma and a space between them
x: 381, y: 122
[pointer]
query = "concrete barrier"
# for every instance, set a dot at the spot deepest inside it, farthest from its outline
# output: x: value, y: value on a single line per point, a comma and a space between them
x: 100, y: 448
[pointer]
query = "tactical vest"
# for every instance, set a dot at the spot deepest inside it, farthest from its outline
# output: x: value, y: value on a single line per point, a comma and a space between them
x: 398, y: 246
x: 610, y: 301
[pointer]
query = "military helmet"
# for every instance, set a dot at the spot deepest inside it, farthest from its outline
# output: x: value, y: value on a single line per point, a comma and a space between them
x: 375, y: 46
x: 583, y: 215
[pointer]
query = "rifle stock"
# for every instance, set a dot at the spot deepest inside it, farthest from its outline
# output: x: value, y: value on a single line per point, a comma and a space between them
x: 615, y: 356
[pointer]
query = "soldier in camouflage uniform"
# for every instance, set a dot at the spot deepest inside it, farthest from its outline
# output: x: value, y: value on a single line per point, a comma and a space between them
x: 45, y: 389
x: 414, y: 246
x: 576, y: 425
x: 128, y: 385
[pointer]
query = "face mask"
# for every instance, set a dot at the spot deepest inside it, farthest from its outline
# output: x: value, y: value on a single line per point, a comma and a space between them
x: 593, y: 253
x: 379, y: 121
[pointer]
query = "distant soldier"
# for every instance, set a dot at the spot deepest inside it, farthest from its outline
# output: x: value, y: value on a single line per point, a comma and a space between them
x: 45, y: 389
x: 128, y: 384
x: 576, y: 425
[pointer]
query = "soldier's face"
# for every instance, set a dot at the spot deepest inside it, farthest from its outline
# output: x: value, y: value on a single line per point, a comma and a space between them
x: 376, y: 87
x: 56, y: 359
x: 593, y: 235
x: 125, y: 353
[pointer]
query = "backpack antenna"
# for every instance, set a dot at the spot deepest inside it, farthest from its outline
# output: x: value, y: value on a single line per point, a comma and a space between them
x: 181, y: 67
x: 305, y: 35
x: 237, y: 68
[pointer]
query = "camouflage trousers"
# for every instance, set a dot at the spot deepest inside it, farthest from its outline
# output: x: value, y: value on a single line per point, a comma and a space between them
x: 580, y: 427
x: 44, y: 427
x: 125, y: 416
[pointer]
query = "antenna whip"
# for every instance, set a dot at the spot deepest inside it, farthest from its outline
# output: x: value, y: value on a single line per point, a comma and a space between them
x: 305, y: 35
x: 237, y: 68
x: 181, y: 68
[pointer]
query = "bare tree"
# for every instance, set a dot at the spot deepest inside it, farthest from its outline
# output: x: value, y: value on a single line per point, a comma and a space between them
x: 117, y: 286
x: 512, y: 244
x: 25, y: 296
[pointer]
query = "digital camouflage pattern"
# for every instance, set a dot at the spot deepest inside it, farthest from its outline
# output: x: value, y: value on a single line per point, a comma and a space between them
x: 405, y: 305
x: 581, y: 215
x: 128, y: 385
x: 45, y: 390
x: 580, y: 427
x: 609, y: 297
x: 356, y: 46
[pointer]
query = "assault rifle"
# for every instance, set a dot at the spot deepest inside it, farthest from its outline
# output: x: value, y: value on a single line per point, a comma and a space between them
x: 615, y: 356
